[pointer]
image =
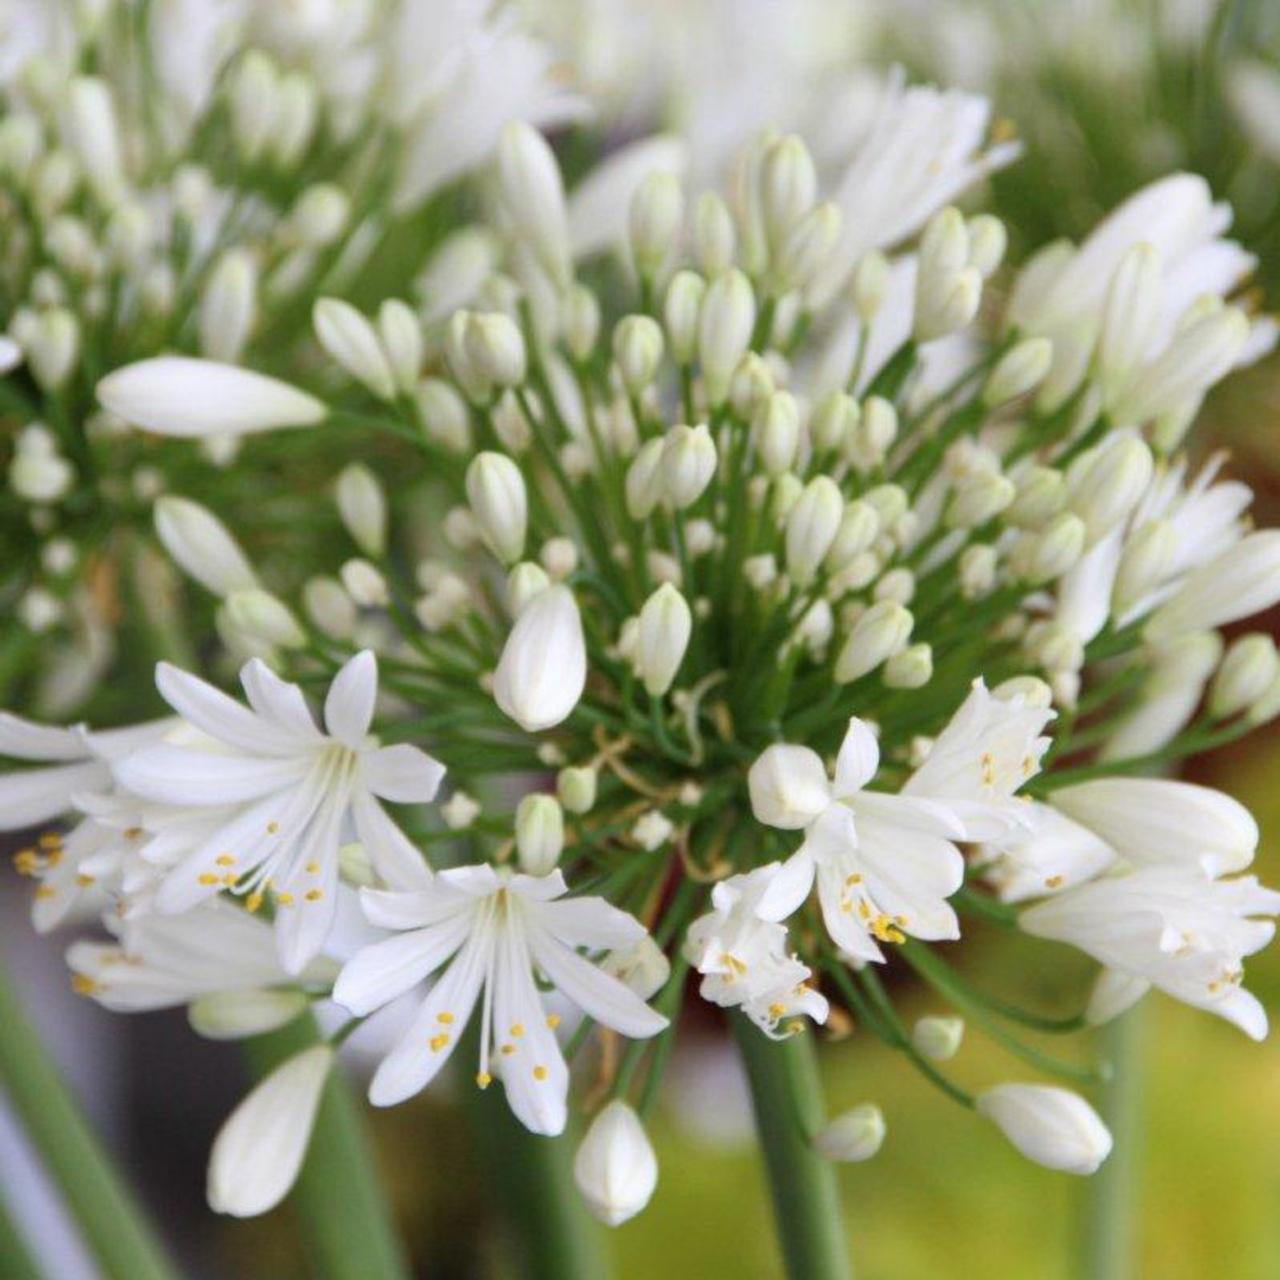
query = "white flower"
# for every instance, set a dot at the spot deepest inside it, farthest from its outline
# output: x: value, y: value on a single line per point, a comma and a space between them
x: 854, y: 1136
x: 615, y: 1168
x: 543, y: 668
x: 259, y: 1150
x: 740, y: 948
x: 1052, y: 1126
x: 491, y: 929
x: 293, y: 789
x: 1053, y: 853
x: 203, y: 546
x: 1173, y: 927
x: 182, y: 396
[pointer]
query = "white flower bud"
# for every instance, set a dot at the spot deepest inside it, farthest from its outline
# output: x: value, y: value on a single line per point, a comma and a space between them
x: 1041, y: 493
x: 1045, y: 556
x: 201, y: 545
x: 1105, y: 484
x: 559, y: 557
x: 52, y: 348
x: 910, y: 669
x: 54, y: 181
x: 783, y: 493
x: 872, y: 436
x: 948, y: 307
x: 637, y: 349
x: 833, y: 420
x: 1033, y: 691
x: 788, y: 187
x: 1131, y: 311
x: 688, y: 463
x: 816, y: 627
x: 580, y: 321
x: 807, y: 248
x: 870, y: 285
x: 615, y: 1168
x: 258, y: 1152
x: 496, y: 492
x: 363, y: 508
x: 228, y: 307
x: 652, y: 829
x: 444, y: 414
x: 724, y: 331
x: 1020, y: 370
x: 859, y: 528
x: 38, y: 473
x: 494, y: 347
x: 680, y: 314
x: 21, y: 144
x: 977, y: 570
x: 260, y: 616
x: 253, y: 86
x: 1145, y: 561
x: 653, y: 222
x: 319, y: 215
x: 714, y: 239
x: 879, y: 633
x: 898, y: 584
x: 401, y: 336
x: 576, y: 787
x: 543, y: 668
x: 643, y: 967
x: 665, y: 627
x: 938, y: 1039
x: 330, y: 609
x: 539, y: 834
x: 296, y: 110
x: 532, y: 194
x: 855, y: 1135
x: 1052, y: 1126
x: 93, y: 135
x: 1267, y: 707
x: 811, y: 528
x: 751, y: 386
x: 460, y: 811
x: 988, y: 240
x: 980, y: 497
x: 644, y: 483
x: 349, y: 338
x: 1248, y: 671
x: 777, y: 432
x: 235, y: 1015
x: 364, y: 584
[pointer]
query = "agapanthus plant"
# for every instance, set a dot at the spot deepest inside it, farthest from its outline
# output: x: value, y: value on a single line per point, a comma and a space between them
x: 809, y: 613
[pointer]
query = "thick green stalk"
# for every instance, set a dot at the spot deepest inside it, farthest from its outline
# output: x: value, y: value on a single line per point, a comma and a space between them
x: 109, y: 1218
x: 552, y: 1236
x: 16, y: 1262
x: 1110, y: 1228
x: 787, y: 1097
x: 338, y: 1198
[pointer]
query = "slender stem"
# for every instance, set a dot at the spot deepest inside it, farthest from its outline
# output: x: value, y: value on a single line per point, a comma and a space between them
x: 16, y: 1262
x: 1109, y: 1237
x: 552, y: 1236
x: 112, y: 1222
x: 787, y: 1097
x: 337, y: 1198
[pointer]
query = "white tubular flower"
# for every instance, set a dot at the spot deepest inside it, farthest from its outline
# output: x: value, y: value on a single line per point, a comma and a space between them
x: 1052, y: 1126
x: 1176, y: 928
x: 1105, y: 484
x: 884, y: 864
x: 1249, y: 669
x: 363, y: 508
x: 666, y: 624
x: 228, y: 307
x: 491, y: 928
x: 539, y: 834
x: 180, y: 396
x: 741, y: 950
x: 202, y: 546
x: 878, y: 634
x: 854, y: 1136
x: 238, y: 1015
x: 258, y: 1152
x: 533, y: 198
x: 290, y: 788
x: 263, y: 620
x: 615, y: 1169
x: 688, y: 463
x: 94, y: 136
x: 724, y: 331
x: 401, y: 337
x: 653, y: 221
x: 938, y: 1038
x: 496, y: 492
x: 1157, y: 822
x: 812, y: 525
x: 543, y: 668
x: 353, y: 343
x: 1052, y: 853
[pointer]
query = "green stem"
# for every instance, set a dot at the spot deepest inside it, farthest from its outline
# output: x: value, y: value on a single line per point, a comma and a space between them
x: 338, y: 1199
x: 1111, y: 1209
x: 112, y: 1222
x: 532, y: 1181
x: 16, y: 1262
x: 787, y: 1097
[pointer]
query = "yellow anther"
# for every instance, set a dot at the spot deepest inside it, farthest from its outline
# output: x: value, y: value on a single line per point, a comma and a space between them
x: 446, y: 1017
x: 83, y: 985
x: 507, y: 1050
x: 225, y: 860
x: 855, y: 878
x: 132, y: 833
x: 26, y: 862
x: 253, y: 901
x: 438, y: 1042
x: 45, y: 891
x: 553, y: 1020
x: 864, y: 909
x: 53, y: 857
x: 207, y: 878
x: 84, y: 880
x: 272, y: 828
x: 776, y: 1010
x: 284, y: 899
x: 484, y: 1079
x: 314, y: 895
x: 517, y: 1029
x: 50, y: 840
x: 734, y: 963
x: 312, y: 868
x: 1053, y: 882
x: 795, y: 1028
x: 539, y: 1073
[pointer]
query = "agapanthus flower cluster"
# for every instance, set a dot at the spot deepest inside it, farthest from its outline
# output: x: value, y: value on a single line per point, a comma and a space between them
x: 813, y: 608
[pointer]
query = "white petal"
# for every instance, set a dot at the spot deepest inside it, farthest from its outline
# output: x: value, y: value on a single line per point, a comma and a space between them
x: 23, y: 739
x: 415, y: 908
x: 180, y: 775
x: 395, y: 858
x: 278, y: 701
x: 213, y: 712
x: 858, y: 760
x: 29, y: 797
x: 385, y: 970
x: 348, y: 708
x: 590, y: 922
x: 788, y: 889
x: 402, y: 773
x: 1113, y: 993
x: 788, y: 786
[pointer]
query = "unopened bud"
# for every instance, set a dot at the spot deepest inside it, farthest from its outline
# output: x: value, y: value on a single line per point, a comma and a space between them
x: 777, y: 431
x: 330, y: 609
x: 879, y: 633
x: 980, y: 497
x: 938, y: 1039
x: 352, y: 341
x: 870, y: 285
x: 1021, y: 369
x: 444, y: 414
x: 910, y: 669
x: 532, y: 194
x: 644, y: 483
x: 653, y: 221
x: 227, y: 307
x: 855, y: 1135
x: 1247, y: 673
x: 977, y: 570
x: 539, y: 834
x: 1144, y: 563
x: 859, y: 528
x: 1105, y: 484
x: 637, y: 349
x: 812, y: 525
x: 724, y: 331
x: 665, y: 627
x: 496, y: 492
x: 495, y: 348
x: 260, y: 616
x: 201, y: 545
x: 680, y: 314
x: 688, y: 463
x: 615, y: 1168
x: 363, y: 508
x: 833, y: 420
x: 576, y: 787
x: 988, y: 240
x: 401, y: 336
x: 364, y: 584
x: 236, y: 1015
x: 713, y: 235
x: 1041, y: 493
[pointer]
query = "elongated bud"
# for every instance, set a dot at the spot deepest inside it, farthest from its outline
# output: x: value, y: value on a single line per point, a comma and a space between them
x: 811, y: 528
x: 665, y: 627
x: 1041, y: 493
x: 543, y: 668
x: 296, y: 109
x: 580, y: 320
x: 363, y: 508
x: 38, y: 472
x: 236, y: 1015
x: 1129, y: 316
x: 653, y: 222
x: 724, y: 331
x: 644, y: 483
x: 714, y: 239
x: 52, y: 348
x: 615, y: 1168
x: 539, y: 834
x: 788, y: 187
x: 988, y: 240
x: 859, y: 528
x: 228, y: 307
x: 1248, y: 671
x: 201, y: 545
x: 330, y: 608
x: 1104, y: 485
x: 938, y: 1038
x: 496, y: 492
x: 643, y: 967
x: 494, y: 347
x: 1144, y: 563
x: 879, y: 633
x: 856, y: 1135
x: 833, y: 419
x: 253, y: 85
x: 576, y: 787
x: 978, y: 498
x: 401, y: 336
x: 751, y: 386
x: 688, y: 463
x: 94, y: 136
x: 949, y: 307
x: 260, y: 616
x: 807, y: 248
x: 910, y: 669
x: 1052, y: 1126
x: 444, y: 414
x: 680, y: 314
x: 259, y: 1149
x: 1020, y: 370
x: 977, y: 570
x: 319, y: 215
x: 870, y: 285
x: 872, y: 436
x: 777, y: 432
x: 533, y: 195
x: 637, y: 349
x: 352, y: 341
x: 524, y: 582
x: 364, y: 583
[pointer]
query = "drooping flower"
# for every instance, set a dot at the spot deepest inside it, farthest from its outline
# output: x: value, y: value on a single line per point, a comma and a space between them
x: 1052, y: 1126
